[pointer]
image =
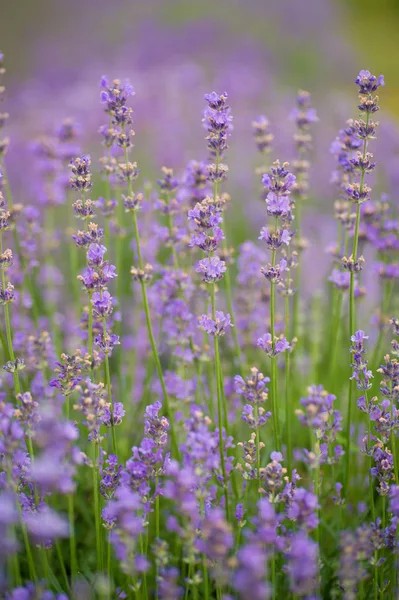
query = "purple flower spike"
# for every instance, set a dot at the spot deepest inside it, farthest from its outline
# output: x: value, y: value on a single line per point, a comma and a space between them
x: 216, y: 327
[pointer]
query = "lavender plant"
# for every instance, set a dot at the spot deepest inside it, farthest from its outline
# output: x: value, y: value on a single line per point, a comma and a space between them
x: 158, y: 441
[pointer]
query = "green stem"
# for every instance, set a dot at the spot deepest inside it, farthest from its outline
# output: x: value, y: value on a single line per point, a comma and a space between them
x: 273, y: 576
x: 352, y: 316
x: 109, y: 570
x: 31, y: 564
x: 157, y: 511
x: 276, y: 435
x: 62, y: 564
x: 151, y: 334
x: 288, y: 391
x: 8, y: 326
x: 219, y: 401
x: 72, y: 539
x: 205, y: 583
x: 227, y: 282
x: 97, y: 516
x: 109, y: 392
x: 46, y: 566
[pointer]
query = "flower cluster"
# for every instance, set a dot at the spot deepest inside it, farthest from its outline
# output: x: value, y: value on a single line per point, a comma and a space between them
x: 189, y: 504
x: 217, y: 121
x: 361, y: 374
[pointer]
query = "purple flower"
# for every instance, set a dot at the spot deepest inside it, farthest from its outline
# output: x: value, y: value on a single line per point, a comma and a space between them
x: 81, y: 173
x: 303, y: 508
x: 95, y: 254
x: 205, y: 215
x: 111, y: 473
x: 252, y: 388
x: 217, y: 538
x: 394, y: 500
x: 250, y: 577
x: 273, y: 347
x: 212, y: 269
x: 262, y: 135
x: 383, y: 469
x: 115, y: 95
x: 208, y: 243
x: 302, y: 565
x: 107, y: 342
x: 253, y: 421
x: 109, y: 419
x: 273, y: 272
x: 275, y: 239
x: 341, y: 279
x: 216, y: 327
x: 217, y: 121
x: 46, y: 525
x: 168, y: 584
x: 361, y: 374
x: 368, y: 83
x: 102, y: 304
x: 93, y: 406
x: 278, y: 206
x: 8, y: 516
x: 304, y: 117
x: 154, y: 426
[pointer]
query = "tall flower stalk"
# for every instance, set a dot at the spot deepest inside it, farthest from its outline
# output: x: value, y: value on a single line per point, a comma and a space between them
x: 358, y: 192
x: 114, y: 96
x: 208, y: 218
x: 278, y: 183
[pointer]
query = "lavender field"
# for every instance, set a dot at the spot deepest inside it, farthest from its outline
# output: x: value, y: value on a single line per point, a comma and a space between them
x: 199, y: 323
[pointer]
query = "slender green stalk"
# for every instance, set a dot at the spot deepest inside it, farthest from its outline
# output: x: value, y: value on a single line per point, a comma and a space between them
x: 273, y: 577
x: 97, y: 516
x: 45, y: 565
x: 4, y: 345
x: 62, y: 564
x: 109, y: 568
x: 335, y: 334
x: 157, y: 511
x: 176, y: 263
x: 149, y: 325
x: 109, y: 392
x: 370, y: 461
x: 276, y: 434
x: 205, y: 582
x: 72, y: 538
x: 352, y: 315
x: 219, y: 400
x: 288, y: 424
x: 229, y: 300
x: 158, y: 366
x: 143, y: 551
x: 317, y: 492
x: 15, y: 375
x: 31, y: 564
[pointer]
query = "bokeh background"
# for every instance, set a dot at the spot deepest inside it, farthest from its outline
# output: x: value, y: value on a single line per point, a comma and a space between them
x: 173, y: 51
